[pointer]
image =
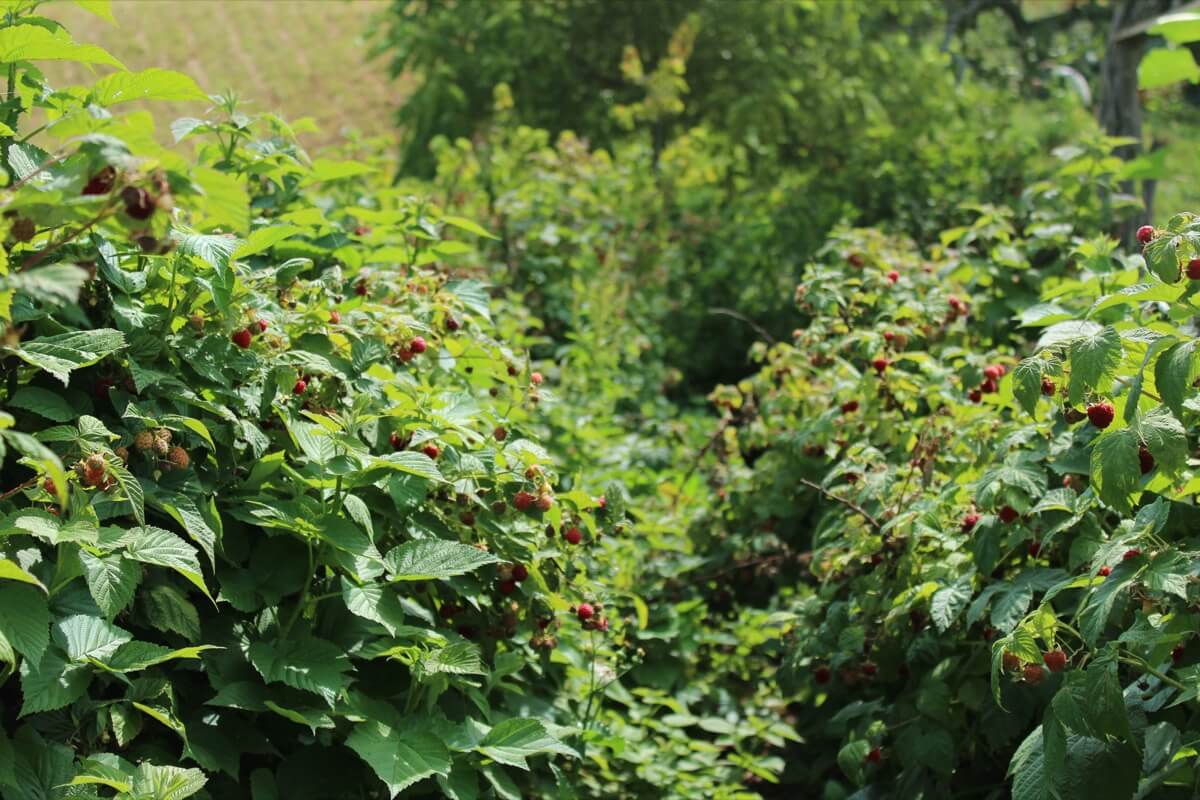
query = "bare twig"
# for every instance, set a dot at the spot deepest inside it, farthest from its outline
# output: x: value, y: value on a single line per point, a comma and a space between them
x: 759, y: 329
x: 850, y: 504
x: 19, y: 488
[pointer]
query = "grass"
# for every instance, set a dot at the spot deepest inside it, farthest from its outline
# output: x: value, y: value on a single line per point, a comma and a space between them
x: 298, y: 58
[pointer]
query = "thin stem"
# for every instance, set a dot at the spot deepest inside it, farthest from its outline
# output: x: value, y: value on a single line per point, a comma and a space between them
x: 850, y: 504
x: 1134, y: 661
x: 20, y: 487
x: 303, y: 601
x: 41, y: 255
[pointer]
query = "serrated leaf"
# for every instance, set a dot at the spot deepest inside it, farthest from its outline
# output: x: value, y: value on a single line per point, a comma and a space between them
x: 166, y: 783
x: 264, y: 239
x: 169, y: 610
x: 1100, y: 604
x: 1010, y: 607
x: 459, y: 658
x: 311, y: 664
x: 149, y: 84
x: 51, y: 682
x: 24, y: 619
x: 1027, y: 383
x: 400, y: 759
x: 1094, y: 359
x: 434, y: 559
x: 1064, y: 333
x: 82, y: 637
x: 111, y: 580
x: 51, y: 405
x: 152, y: 545
x: 35, y: 43
x: 1174, y: 372
x: 135, y: 656
x: 948, y: 602
x: 514, y: 740
x: 1116, y: 468
x: 1164, y: 437
x: 61, y: 354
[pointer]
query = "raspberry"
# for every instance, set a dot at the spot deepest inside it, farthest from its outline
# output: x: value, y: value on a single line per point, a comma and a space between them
x: 524, y: 501
x: 874, y: 756
x: 335, y: 317
x: 1145, y: 460
x: 144, y: 440
x: 466, y: 631
x: 1011, y: 662
x: 417, y: 345
x: 242, y: 338
x: 1101, y: 414
x: 893, y: 276
x: 1145, y: 234
x: 361, y: 230
x: 397, y: 441
x: 507, y: 587
x: 544, y: 502
x: 519, y: 572
x: 94, y: 463
x: 585, y: 611
x: 452, y: 324
x: 602, y: 502
x: 431, y: 450
x: 850, y: 406
x: 101, y: 183
x: 48, y: 485
x: 1177, y: 654
x: 993, y: 372
x: 1055, y: 660
x: 1008, y: 515
x: 969, y: 521
x: 1104, y: 571
x: 1048, y: 387
x: 1193, y: 269
x: 500, y: 434
x: 179, y: 458
x: 262, y: 325
x: 822, y: 675
x: 536, y: 378
x: 448, y: 611
x: 880, y: 364
x: 869, y: 669
x: 855, y: 259
x: 1132, y: 552
x: 1034, y: 674
x: 360, y: 288
x: 138, y: 202
x: 101, y: 386
x: 573, y: 535
x: 888, y: 336
x: 300, y: 387
x: 1034, y: 549
x: 975, y: 395
x: 988, y: 386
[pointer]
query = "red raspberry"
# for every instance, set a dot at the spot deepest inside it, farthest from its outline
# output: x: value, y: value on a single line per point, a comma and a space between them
x: 138, y: 202
x: 417, y: 345
x: 822, y: 675
x: 855, y: 259
x: 1145, y: 234
x: 1132, y: 552
x: 452, y: 324
x: 850, y: 406
x: 242, y: 338
x: 874, y: 756
x: 544, y: 502
x: 893, y: 276
x: 988, y: 386
x: 1008, y: 515
x: 335, y: 317
x: 262, y: 326
x: 1055, y: 660
x: 888, y: 336
x: 523, y: 501
x: 975, y: 395
x: 1104, y: 571
x: 1177, y: 654
x: 536, y: 378
x: 431, y: 450
x: 448, y: 611
x: 1034, y: 674
x: 993, y: 372
x: 49, y: 486
x: 880, y: 364
x: 1034, y: 549
x: 397, y: 441
x: 585, y: 611
x: 1193, y: 269
x: 507, y: 587
x: 1048, y: 387
x: 361, y: 230
x: 500, y: 434
x: 300, y: 387
x: 1145, y: 460
x: 1010, y: 661
x: 573, y: 535
x: 869, y: 669
x: 519, y: 572
x: 602, y: 502
x: 969, y: 521
x: 101, y: 386
x: 102, y: 182
x: 1101, y: 414
x: 360, y: 288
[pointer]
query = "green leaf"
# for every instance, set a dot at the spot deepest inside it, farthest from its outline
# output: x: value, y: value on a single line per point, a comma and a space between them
x: 226, y: 203
x: 53, y: 284
x: 1027, y: 383
x: 101, y: 8
x: 61, y: 354
x: 324, y: 169
x: 462, y: 223
x: 1063, y: 333
x: 149, y: 84
x: 1164, y: 437
x: 1094, y: 360
x: 152, y: 545
x: 399, y: 759
x: 434, y: 559
x: 83, y: 637
x: 459, y: 658
x: 35, y: 43
x: 514, y: 740
x: 1168, y: 573
x: 111, y: 580
x: 412, y: 463
x: 214, y: 250
x: 1174, y: 373
x: 1116, y: 468
x: 51, y: 405
x: 166, y: 783
x: 1162, y: 257
x: 1100, y: 604
x: 24, y: 619
x: 1010, y: 607
x: 948, y: 602
x: 264, y: 239
x: 12, y: 571
x: 51, y: 682
x: 135, y: 656
x: 1162, y: 67
x: 374, y: 602
x: 311, y: 664
x: 131, y: 488
x: 169, y: 610
x: 1178, y: 28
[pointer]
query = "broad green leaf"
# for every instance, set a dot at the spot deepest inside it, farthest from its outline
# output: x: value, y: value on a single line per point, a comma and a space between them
x: 24, y: 619
x: 948, y: 602
x: 149, y: 84
x: 1027, y: 383
x: 434, y: 559
x: 1162, y: 256
x: 1180, y: 27
x: 1165, y: 438
x: 12, y: 571
x: 1163, y: 67
x: 35, y: 43
x: 152, y: 545
x: 470, y: 226
x: 324, y: 169
x: 1116, y: 469
x: 83, y: 637
x: 62, y: 353
x: 1063, y: 333
x: 459, y: 658
x: 264, y: 239
x: 45, y: 403
x: 1174, y: 372
x: 111, y: 579
x: 514, y: 740
x: 1100, y: 604
x: 311, y: 664
x: 169, y: 610
x: 51, y: 682
x: 135, y: 656
x: 166, y: 783
x: 225, y: 201
x: 1009, y: 607
x: 400, y: 759
x: 1094, y: 360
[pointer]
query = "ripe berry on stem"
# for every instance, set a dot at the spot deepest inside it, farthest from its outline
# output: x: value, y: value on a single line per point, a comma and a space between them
x: 969, y: 521
x: 1008, y: 515
x: 536, y: 378
x: 417, y: 345
x: 1034, y: 674
x: 585, y: 611
x: 1145, y: 460
x: 849, y: 406
x: 432, y: 450
x: 1055, y: 660
x: 523, y: 501
x: 1048, y: 387
x: 1132, y: 552
x: 874, y: 756
x: 242, y: 338
x: 822, y: 675
x: 519, y: 572
x: 1104, y: 571
x: 893, y: 276
x: 1101, y: 414
x: 300, y: 387
x: 880, y: 364
x: 1193, y: 269
x: 1145, y: 234
x: 573, y: 535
